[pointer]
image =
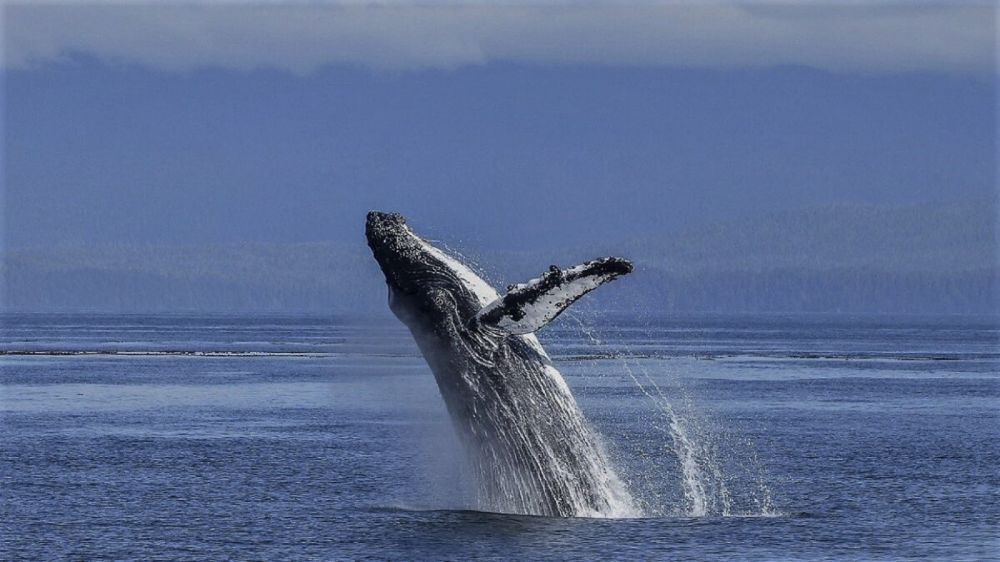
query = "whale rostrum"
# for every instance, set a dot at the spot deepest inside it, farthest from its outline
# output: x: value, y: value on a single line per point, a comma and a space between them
x: 527, y: 442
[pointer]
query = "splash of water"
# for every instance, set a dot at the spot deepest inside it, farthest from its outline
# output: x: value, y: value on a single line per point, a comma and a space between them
x: 706, y: 485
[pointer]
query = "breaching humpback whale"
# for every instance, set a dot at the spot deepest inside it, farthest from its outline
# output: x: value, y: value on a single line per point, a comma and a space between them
x: 532, y: 449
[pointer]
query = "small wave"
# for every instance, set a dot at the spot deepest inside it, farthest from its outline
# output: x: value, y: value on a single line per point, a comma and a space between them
x: 776, y: 356
x: 172, y: 352
x: 478, y: 513
x: 601, y: 356
x: 871, y: 356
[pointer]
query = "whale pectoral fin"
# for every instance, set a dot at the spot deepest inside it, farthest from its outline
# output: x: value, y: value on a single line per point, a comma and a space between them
x: 529, y: 306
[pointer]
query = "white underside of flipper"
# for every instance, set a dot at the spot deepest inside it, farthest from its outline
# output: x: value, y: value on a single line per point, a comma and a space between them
x: 529, y: 306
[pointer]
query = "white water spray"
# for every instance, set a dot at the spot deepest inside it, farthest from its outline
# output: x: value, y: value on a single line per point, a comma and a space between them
x: 704, y: 484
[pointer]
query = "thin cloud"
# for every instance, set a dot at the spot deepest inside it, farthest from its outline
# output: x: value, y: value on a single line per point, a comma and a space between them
x: 301, y: 38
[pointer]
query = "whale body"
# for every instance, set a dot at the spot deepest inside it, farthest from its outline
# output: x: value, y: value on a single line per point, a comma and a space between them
x: 532, y: 450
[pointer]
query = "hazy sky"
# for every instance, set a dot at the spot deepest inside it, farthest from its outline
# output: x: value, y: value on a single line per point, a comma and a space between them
x: 501, y: 126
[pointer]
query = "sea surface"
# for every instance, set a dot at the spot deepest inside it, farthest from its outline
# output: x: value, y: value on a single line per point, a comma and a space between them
x: 292, y: 438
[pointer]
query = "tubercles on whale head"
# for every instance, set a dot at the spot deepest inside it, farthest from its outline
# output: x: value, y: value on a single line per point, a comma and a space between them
x: 386, y: 233
x: 396, y: 249
x: 379, y: 219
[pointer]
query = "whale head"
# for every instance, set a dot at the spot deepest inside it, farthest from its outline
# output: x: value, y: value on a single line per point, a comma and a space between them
x: 426, y: 286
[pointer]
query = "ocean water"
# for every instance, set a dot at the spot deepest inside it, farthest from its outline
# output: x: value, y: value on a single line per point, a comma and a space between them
x: 767, y: 438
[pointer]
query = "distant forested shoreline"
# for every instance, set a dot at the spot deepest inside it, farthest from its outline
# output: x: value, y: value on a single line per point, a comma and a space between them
x: 918, y: 259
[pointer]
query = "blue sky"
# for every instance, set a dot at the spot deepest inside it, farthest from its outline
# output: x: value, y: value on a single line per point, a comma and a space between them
x: 498, y: 126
